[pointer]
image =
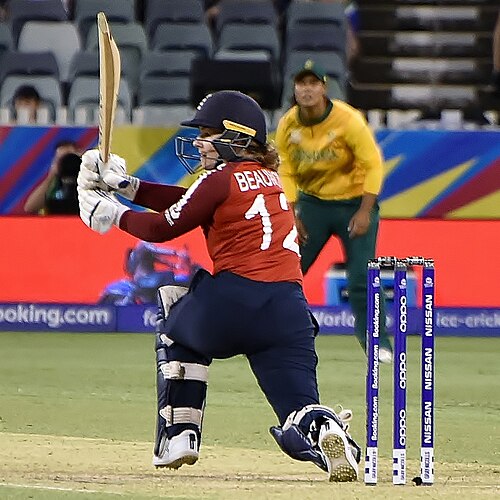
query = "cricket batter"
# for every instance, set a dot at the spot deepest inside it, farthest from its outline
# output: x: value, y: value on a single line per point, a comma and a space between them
x: 252, y: 304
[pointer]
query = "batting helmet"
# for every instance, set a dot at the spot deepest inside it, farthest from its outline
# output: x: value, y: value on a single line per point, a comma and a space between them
x: 240, y: 120
x: 231, y: 110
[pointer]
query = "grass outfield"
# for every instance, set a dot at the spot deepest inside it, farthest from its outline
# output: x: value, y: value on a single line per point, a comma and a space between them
x: 77, y: 419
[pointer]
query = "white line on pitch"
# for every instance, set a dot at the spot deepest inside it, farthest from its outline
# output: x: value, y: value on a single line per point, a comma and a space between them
x: 57, y: 488
x: 75, y: 438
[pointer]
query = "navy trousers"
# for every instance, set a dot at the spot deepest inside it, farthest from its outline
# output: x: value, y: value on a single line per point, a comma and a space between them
x: 270, y: 323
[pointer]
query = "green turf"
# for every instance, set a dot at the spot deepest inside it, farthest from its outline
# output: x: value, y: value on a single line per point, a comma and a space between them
x: 102, y: 386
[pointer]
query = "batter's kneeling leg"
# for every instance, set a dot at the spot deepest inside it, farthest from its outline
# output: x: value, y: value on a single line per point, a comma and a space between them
x: 182, y: 376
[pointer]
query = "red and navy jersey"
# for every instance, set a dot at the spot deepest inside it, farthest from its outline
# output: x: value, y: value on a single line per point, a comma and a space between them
x: 244, y: 214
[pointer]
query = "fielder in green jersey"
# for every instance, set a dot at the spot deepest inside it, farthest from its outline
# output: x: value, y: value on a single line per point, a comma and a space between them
x: 331, y: 169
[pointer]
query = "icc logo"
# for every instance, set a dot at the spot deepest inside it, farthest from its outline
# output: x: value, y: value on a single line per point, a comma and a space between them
x: 428, y: 282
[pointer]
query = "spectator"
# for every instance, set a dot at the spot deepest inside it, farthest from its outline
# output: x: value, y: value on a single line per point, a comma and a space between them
x: 26, y: 102
x: 56, y: 194
x: 331, y: 169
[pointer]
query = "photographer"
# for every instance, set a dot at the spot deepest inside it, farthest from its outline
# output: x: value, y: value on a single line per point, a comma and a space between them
x: 56, y: 194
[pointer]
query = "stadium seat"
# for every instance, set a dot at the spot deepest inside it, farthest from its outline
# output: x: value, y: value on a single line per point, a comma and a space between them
x: 125, y: 35
x: 260, y: 79
x: 242, y: 55
x: 47, y: 86
x: 167, y: 63
x: 171, y: 11
x: 84, y: 92
x: 249, y: 37
x: 117, y: 11
x: 21, y: 11
x: 84, y: 64
x: 164, y: 90
x: 244, y: 12
x: 162, y: 114
x: 316, y: 38
x: 191, y: 36
x: 87, y: 64
x: 131, y: 40
x: 301, y: 13
x: 32, y: 63
x: 60, y: 38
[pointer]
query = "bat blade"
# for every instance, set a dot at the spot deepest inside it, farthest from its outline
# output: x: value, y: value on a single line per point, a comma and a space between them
x: 109, y: 83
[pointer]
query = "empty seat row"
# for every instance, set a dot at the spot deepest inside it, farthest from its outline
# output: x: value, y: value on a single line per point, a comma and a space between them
x: 166, y: 63
x: 83, y: 12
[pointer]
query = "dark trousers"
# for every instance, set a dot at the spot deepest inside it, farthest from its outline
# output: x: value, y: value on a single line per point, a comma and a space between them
x: 270, y: 323
x: 323, y: 219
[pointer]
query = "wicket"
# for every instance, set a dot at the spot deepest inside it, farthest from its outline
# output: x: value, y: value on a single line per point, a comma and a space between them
x: 427, y: 360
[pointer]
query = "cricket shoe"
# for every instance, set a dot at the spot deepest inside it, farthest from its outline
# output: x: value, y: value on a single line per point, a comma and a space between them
x: 180, y: 450
x: 341, y: 463
x: 385, y: 356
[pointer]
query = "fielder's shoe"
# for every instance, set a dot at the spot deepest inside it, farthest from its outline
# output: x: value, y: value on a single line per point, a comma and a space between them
x: 385, y: 355
x: 180, y: 450
x: 341, y: 463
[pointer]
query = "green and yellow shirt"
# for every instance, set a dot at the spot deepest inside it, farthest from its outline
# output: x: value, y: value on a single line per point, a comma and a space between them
x: 335, y: 158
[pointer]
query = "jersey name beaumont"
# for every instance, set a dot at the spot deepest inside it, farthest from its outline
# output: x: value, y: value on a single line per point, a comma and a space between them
x: 250, y: 180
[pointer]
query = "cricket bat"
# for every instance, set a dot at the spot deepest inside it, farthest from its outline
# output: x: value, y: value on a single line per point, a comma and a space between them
x: 109, y: 83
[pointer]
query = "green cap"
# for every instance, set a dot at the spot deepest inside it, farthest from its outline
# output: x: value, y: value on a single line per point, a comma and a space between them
x: 311, y: 68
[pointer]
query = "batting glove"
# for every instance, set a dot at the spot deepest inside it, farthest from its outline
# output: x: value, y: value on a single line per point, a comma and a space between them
x: 88, y: 179
x: 100, y: 210
x: 112, y: 174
